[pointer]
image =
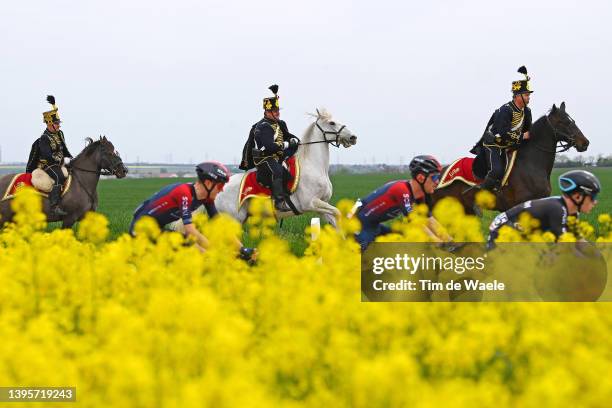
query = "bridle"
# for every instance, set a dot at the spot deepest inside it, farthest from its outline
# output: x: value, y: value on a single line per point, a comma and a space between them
x: 563, y: 138
x: 336, y: 136
x: 115, y: 164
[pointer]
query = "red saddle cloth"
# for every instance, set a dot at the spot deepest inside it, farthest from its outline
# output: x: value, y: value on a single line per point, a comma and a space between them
x: 25, y: 179
x: 460, y: 169
x: 20, y: 180
x: 249, y: 187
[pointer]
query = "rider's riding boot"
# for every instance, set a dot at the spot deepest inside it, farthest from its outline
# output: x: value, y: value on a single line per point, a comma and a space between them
x: 279, y: 196
x: 489, y: 184
x: 54, y: 199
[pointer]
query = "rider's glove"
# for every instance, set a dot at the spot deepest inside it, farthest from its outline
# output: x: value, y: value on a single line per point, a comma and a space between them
x: 246, y: 254
x: 293, y: 142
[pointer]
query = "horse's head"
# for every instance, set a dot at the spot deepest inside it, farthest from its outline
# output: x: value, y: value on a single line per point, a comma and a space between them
x: 110, y: 159
x: 333, y: 132
x: 567, y: 133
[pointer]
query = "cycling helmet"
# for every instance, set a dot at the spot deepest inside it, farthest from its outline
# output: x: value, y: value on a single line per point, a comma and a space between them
x: 424, y: 164
x: 213, y: 171
x: 579, y: 181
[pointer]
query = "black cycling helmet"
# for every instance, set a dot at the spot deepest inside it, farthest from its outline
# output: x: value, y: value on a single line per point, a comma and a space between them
x: 213, y: 171
x: 424, y: 164
x: 581, y: 181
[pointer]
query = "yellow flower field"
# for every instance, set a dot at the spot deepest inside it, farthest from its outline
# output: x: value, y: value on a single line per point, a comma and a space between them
x: 151, y: 322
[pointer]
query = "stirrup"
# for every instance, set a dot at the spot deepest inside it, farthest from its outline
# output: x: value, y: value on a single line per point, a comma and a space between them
x: 57, y: 210
x: 493, y: 189
x: 470, y: 188
x: 281, y: 206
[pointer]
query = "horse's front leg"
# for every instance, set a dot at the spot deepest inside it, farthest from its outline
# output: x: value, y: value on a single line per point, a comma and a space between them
x: 74, y: 215
x: 328, y: 211
x: 94, y: 204
x: 68, y: 222
x: 331, y: 220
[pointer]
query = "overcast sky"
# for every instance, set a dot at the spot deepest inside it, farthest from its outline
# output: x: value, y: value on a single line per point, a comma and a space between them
x: 182, y: 81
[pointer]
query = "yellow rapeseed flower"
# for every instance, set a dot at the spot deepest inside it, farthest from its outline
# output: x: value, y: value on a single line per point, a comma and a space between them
x: 150, y: 321
x: 147, y: 227
x: 27, y: 206
x: 485, y: 199
x: 93, y: 228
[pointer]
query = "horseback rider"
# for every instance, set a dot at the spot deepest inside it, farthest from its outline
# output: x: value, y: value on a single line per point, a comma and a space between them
x: 507, y: 128
x: 397, y: 198
x: 579, y: 195
x: 268, y: 146
x: 48, y: 153
x: 178, y: 201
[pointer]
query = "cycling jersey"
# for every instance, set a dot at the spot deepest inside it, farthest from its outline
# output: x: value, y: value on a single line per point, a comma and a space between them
x: 383, y: 204
x: 551, y: 212
x: 387, y: 202
x: 172, y: 203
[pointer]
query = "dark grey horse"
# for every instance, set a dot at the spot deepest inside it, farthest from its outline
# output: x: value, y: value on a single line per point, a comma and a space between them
x: 97, y: 158
x: 530, y: 178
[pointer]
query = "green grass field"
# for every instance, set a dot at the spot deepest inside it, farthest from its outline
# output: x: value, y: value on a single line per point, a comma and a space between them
x: 119, y: 198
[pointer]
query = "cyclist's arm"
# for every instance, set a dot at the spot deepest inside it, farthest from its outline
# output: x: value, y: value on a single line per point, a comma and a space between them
x: 212, y: 211
x: 436, y: 231
x: 557, y: 219
x: 184, y: 201
x: 202, y: 242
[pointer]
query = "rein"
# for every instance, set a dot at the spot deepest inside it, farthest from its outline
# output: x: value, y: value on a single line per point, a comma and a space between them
x: 77, y: 178
x: 99, y: 172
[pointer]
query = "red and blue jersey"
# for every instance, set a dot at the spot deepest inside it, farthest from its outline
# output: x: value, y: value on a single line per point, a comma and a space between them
x: 173, y: 203
x: 387, y: 202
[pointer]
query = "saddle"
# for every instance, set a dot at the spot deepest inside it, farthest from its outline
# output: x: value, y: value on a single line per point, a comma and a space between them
x: 39, y: 180
x: 472, y: 170
x: 251, y: 186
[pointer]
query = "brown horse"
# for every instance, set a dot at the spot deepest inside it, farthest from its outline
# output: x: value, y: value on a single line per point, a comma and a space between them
x: 97, y: 158
x: 530, y: 178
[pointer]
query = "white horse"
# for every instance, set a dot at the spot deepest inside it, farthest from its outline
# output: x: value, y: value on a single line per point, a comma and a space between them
x: 314, y: 187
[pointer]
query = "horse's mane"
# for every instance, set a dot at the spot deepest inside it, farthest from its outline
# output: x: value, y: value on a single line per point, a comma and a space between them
x: 538, y: 125
x: 322, y: 114
x: 310, y: 131
x: 90, y: 147
x: 539, y: 120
